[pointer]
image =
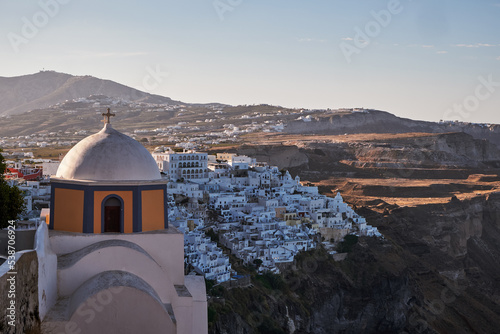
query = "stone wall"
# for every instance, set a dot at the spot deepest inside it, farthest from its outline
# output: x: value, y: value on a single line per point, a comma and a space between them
x: 26, y: 296
x: 24, y: 240
x: 240, y: 282
x: 333, y: 233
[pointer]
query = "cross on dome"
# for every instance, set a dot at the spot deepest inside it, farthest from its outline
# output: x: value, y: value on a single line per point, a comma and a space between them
x: 108, y: 115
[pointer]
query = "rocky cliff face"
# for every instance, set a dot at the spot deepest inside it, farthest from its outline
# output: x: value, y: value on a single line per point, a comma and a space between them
x: 320, y: 296
x: 281, y: 156
x: 428, y: 151
x: 437, y: 271
x: 453, y: 251
x: 382, y: 122
x: 450, y: 149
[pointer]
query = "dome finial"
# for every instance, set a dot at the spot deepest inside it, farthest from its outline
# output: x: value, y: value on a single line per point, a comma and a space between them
x: 108, y: 115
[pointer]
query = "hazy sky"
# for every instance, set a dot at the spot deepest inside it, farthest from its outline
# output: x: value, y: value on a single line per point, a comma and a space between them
x: 421, y: 59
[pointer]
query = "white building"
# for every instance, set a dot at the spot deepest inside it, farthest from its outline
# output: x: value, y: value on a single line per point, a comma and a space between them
x: 124, y: 259
x: 207, y: 259
x: 191, y: 190
x: 187, y: 165
x: 50, y: 168
x: 237, y: 161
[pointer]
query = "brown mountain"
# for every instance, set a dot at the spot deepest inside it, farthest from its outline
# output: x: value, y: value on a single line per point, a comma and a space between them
x: 43, y: 89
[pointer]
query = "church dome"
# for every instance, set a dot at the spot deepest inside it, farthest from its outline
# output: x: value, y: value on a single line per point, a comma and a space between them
x: 108, y: 155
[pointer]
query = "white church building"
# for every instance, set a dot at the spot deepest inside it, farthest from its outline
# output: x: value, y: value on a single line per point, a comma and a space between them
x: 109, y: 262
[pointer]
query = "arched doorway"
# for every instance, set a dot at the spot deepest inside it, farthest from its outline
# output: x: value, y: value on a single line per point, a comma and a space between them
x: 112, y: 215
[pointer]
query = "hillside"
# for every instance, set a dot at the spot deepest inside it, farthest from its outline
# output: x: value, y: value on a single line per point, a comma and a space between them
x: 375, y: 121
x: 51, y: 98
x: 434, y: 197
x: 432, y: 189
x: 43, y: 89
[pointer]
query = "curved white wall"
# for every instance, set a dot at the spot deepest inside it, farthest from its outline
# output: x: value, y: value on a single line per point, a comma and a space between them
x: 116, y: 258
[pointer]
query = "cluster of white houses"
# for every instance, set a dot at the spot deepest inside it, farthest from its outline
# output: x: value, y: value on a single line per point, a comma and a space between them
x: 199, y: 250
x: 262, y: 214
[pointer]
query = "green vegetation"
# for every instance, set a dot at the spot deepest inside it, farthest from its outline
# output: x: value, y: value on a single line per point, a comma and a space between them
x: 217, y: 291
x: 209, y: 283
x: 269, y: 326
x: 49, y: 152
x: 271, y: 281
x: 257, y: 263
x: 260, y: 305
x: 311, y: 280
x: 212, y: 235
x: 212, y: 315
x: 347, y: 245
x: 11, y: 199
x: 214, y: 290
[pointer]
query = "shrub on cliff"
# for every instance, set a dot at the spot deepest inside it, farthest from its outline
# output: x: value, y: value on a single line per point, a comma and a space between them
x: 11, y: 199
x: 347, y: 245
